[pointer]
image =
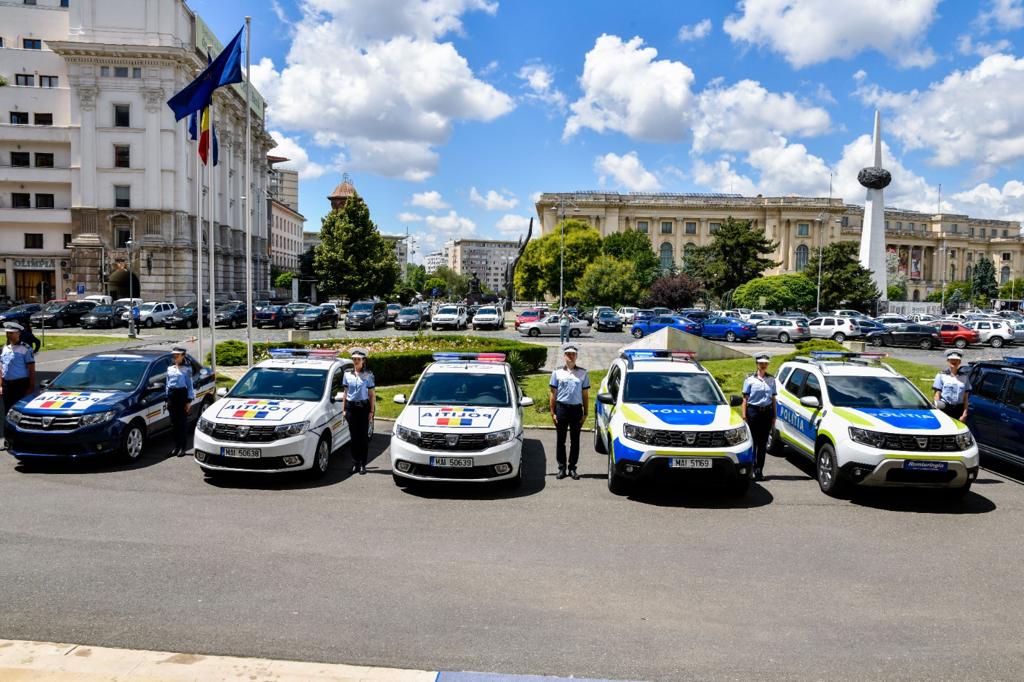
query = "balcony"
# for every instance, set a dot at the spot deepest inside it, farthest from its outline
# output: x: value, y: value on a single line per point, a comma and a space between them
x: 20, y: 174
x: 11, y: 132
x: 35, y: 215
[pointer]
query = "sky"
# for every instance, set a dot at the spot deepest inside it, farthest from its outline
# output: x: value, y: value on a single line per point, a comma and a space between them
x: 452, y: 116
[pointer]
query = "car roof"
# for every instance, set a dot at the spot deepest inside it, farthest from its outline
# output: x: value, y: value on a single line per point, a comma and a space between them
x: 844, y: 368
x: 308, y: 362
x: 463, y: 366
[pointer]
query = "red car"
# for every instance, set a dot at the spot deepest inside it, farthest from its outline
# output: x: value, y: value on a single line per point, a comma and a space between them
x: 530, y: 315
x: 955, y: 334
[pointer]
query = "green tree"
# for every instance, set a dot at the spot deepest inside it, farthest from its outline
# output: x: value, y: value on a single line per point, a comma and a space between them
x: 528, y: 280
x: 1012, y: 290
x: 845, y: 283
x: 284, y: 280
x: 894, y: 292
x: 634, y: 247
x: 435, y: 283
x: 352, y: 258
x: 736, y: 255
x: 780, y: 292
x: 961, y: 288
x: 456, y: 285
x: 608, y: 281
x: 415, y: 276
x: 539, y: 269
x: 985, y: 287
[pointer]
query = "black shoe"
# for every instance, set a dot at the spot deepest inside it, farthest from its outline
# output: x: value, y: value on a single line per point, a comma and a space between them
x: 355, y: 468
x: 575, y: 476
x: 561, y: 473
x: 362, y: 470
x: 758, y: 475
x: 182, y: 452
x: 173, y: 453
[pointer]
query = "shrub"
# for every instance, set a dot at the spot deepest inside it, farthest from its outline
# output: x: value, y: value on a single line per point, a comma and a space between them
x: 231, y: 353
x: 805, y: 347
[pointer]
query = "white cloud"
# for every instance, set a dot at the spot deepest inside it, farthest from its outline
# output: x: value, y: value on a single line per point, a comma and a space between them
x: 908, y: 189
x: 1007, y: 15
x: 539, y: 82
x: 720, y: 176
x: 966, y: 45
x: 809, y: 32
x: 626, y: 171
x: 535, y: 197
x: 695, y: 32
x: 512, y: 224
x: 388, y: 87
x: 297, y: 157
x: 493, y: 201
x: 974, y: 116
x: 625, y: 89
x: 406, y: 217
x: 987, y: 201
x: 451, y: 224
x: 429, y: 200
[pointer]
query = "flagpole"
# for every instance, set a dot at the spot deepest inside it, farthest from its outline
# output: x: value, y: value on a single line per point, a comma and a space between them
x: 199, y: 251
x: 248, y: 193
x: 212, y: 265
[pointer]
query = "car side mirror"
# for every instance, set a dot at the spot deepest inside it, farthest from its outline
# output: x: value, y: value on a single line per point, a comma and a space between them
x: 606, y: 398
x: 399, y: 398
x: 338, y: 397
x: 525, y: 401
x: 810, y: 401
x: 45, y: 383
x: 736, y: 401
x: 222, y: 392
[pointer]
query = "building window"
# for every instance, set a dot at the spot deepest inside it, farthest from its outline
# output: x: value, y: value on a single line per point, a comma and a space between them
x: 1, y: 41
x: 1005, y: 233
x: 956, y: 228
x: 32, y: 43
x: 844, y: 221
x: 1004, y: 274
x: 666, y: 227
x: 33, y: 240
x: 48, y: 81
x: 67, y: 240
x: 666, y: 256
x: 122, y: 116
x: 968, y: 271
x: 120, y: 72
x: 1007, y: 255
x: 691, y: 228
x: 28, y: 2
x: 899, y: 226
x: 21, y: 200
x: 983, y: 232
x: 44, y: 160
x: 104, y: 71
x: 803, y: 230
x: 44, y: 119
x: 19, y: 159
x: 63, y: 3
x: 19, y: 118
x: 122, y: 196
x: 971, y: 231
x: 802, y: 253
x: 713, y: 227
x: 887, y: 224
x: 136, y: 73
x: 641, y: 226
x: 122, y: 235
x: 44, y: 201
x: 26, y: 80
x: 122, y: 156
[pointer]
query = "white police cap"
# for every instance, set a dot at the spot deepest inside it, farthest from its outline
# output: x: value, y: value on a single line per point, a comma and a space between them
x: 358, y: 352
x: 571, y: 348
x: 954, y: 355
x: 13, y: 327
x: 762, y: 357
x: 179, y: 350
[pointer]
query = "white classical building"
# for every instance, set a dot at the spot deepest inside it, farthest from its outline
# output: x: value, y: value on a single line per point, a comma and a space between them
x: 286, y: 223
x: 89, y: 81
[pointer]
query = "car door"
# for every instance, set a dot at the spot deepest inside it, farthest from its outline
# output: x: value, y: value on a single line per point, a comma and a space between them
x: 605, y: 412
x: 815, y: 328
x: 154, y: 400
x: 549, y: 325
x: 794, y: 420
x: 336, y: 418
x: 1012, y: 418
x: 983, y: 417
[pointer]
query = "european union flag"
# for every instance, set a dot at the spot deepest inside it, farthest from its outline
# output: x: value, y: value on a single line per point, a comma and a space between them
x: 225, y: 69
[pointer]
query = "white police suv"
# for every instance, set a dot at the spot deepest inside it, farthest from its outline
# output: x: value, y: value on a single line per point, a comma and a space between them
x: 283, y: 415
x: 660, y: 411
x: 462, y: 423
x: 863, y: 423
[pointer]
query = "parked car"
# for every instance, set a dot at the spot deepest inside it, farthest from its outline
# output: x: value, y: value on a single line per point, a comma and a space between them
x: 20, y: 313
x: 924, y: 318
x: 317, y: 317
x: 696, y: 315
x: 62, y: 314
x: 150, y: 314
x: 627, y: 314
x: 783, y: 329
x: 906, y: 334
x: 729, y: 328
x: 393, y: 309
x: 996, y: 333
x: 953, y: 333
x: 279, y: 316
x: 103, y: 316
x: 187, y: 317
x: 366, y: 315
x: 592, y: 314
x: 1018, y: 332
x: 743, y: 313
x: 868, y: 325
x: 608, y: 320
x: 529, y: 315
x: 489, y: 316
x: 889, y: 319
x: 409, y: 318
x: 642, y: 328
x: 995, y: 413
x: 98, y: 299
x: 643, y: 314
x: 794, y: 314
x: 661, y: 310
x: 129, y: 302
x: 231, y: 315
x: 849, y: 313
x: 835, y: 328
x: 451, y: 316
x: 549, y: 326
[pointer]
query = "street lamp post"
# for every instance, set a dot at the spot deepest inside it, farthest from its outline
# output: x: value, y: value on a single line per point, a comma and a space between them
x: 131, y: 292
x: 942, y: 250
x: 561, y: 249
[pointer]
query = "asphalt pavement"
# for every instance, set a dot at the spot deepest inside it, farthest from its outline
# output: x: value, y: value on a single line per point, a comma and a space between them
x: 560, y: 577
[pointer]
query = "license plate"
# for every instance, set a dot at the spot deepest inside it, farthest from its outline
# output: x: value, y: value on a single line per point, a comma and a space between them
x: 689, y: 463
x: 925, y: 466
x: 451, y: 462
x: 249, y: 453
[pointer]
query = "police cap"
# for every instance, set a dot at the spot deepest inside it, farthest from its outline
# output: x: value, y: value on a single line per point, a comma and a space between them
x: 179, y: 350
x: 358, y: 352
x: 570, y: 348
x: 762, y: 357
x: 13, y: 327
x: 954, y: 355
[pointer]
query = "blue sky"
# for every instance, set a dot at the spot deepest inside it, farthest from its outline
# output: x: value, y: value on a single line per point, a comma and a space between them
x: 451, y: 115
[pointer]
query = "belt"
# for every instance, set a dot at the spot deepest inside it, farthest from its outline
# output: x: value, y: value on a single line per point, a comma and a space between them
x: 759, y: 408
x: 568, y: 404
x: 178, y: 388
x: 358, y: 403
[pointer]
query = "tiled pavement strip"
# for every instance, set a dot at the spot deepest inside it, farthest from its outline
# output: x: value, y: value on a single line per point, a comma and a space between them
x: 53, y: 662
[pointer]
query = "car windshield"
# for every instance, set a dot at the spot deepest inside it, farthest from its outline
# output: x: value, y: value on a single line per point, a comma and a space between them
x: 606, y: 313
x: 21, y: 309
x: 146, y: 307
x: 102, y: 374
x: 487, y: 311
x: 362, y: 307
x: 409, y: 311
x: 671, y: 389
x: 880, y: 392
x: 53, y: 307
x: 281, y: 383
x: 394, y: 306
x: 295, y: 307
x: 449, y: 310
x: 315, y: 310
x: 462, y: 388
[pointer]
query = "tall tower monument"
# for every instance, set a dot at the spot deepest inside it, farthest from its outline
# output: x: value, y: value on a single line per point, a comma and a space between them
x: 872, y: 236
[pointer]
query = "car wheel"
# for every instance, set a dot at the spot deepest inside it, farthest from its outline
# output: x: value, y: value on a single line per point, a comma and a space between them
x: 638, y: 333
x: 839, y: 337
x: 599, y: 447
x: 996, y: 342
x: 876, y: 341
x: 617, y: 484
x: 827, y: 469
x: 730, y: 337
x: 783, y: 337
x: 132, y: 442
x: 960, y: 343
x: 776, y: 446
x: 280, y: 324
x: 926, y: 344
x: 322, y: 459
x: 433, y: 328
x: 60, y: 323
x: 574, y: 333
x: 534, y: 332
x: 334, y: 325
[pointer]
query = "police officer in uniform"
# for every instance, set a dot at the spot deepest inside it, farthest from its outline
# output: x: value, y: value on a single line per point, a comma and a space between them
x: 570, y: 388
x: 952, y: 387
x: 180, y: 393
x: 358, y: 406
x: 17, y: 367
x: 759, y: 398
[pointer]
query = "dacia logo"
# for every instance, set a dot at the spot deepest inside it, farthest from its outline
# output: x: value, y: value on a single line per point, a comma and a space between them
x: 451, y: 439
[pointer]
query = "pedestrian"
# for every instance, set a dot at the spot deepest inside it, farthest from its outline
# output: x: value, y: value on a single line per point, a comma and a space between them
x: 180, y: 393
x: 358, y: 404
x: 28, y: 337
x: 758, y: 410
x: 17, y: 367
x: 564, y: 323
x: 570, y: 388
x: 952, y: 387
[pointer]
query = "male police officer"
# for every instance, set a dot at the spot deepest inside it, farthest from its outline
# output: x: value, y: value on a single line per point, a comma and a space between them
x: 17, y: 367
x: 180, y: 394
x: 952, y: 387
x: 570, y: 388
x: 759, y: 397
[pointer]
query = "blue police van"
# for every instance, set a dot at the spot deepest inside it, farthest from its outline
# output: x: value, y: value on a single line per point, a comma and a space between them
x: 103, y: 404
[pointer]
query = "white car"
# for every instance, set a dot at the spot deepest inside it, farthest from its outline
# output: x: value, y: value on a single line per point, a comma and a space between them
x: 627, y: 314
x: 862, y: 423
x: 463, y: 422
x: 489, y: 316
x: 996, y: 333
x: 151, y: 314
x: 552, y: 326
x: 1018, y: 332
x: 758, y: 315
x: 453, y: 316
x: 835, y: 328
x: 924, y: 319
x: 284, y: 414
x: 891, y: 319
x: 660, y: 411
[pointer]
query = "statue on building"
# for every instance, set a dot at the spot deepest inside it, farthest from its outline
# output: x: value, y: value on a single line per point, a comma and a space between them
x: 510, y: 269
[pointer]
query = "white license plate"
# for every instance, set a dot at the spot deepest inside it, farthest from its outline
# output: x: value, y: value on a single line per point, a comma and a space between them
x: 689, y: 463
x: 451, y: 461
x: 249, y: 453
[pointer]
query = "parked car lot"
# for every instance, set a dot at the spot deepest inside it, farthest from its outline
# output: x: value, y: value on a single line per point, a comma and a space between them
x: 317, y: 317
x: 906, y: 334
x: 278, y: 316
x: 60, y: 314
x: 409, y: 318
x: 995, y: 333
x: 107, y: 316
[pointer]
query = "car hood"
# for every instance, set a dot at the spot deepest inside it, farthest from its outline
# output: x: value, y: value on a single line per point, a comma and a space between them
x: 258, y: 412
x: 653, y: 415
x: 889, y: 420
x: 461, y: 418
x: 71, y: 402
x: 445, y: 316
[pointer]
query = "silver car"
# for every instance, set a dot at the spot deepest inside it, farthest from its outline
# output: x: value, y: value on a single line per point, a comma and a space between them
x: 995, y: 333
x: 835, y: 328
x: 549, y: 326
x: 783, y: 329
x: 1018, y: 332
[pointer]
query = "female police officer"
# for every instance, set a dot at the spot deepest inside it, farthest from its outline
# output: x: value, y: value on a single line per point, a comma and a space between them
x: 358, y: 404
x: 952, y: 387
x: 759, y: 396
x: 17, y: 367
x: 180, y: 394
x: 570, y: 386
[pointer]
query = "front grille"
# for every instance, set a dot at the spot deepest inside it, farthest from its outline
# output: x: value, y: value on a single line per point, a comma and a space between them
x: 248, y: 434
x: 58, y: 424
x: 253, y: 464
x: 430, y: 440
x: 682, y: 439
x: 910, y: 443
x: 453, y: 472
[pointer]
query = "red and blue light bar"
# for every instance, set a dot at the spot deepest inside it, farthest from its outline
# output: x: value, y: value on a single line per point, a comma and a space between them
x: 470, y: 357
x: 287, y: 353
x: 659, y: 354
x: 846, y: 355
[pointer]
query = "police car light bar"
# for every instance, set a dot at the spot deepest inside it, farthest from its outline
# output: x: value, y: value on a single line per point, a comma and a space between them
x: 846, y: 355
x: 658, y: 353
x: 282, y: 353
x: 471, y: 357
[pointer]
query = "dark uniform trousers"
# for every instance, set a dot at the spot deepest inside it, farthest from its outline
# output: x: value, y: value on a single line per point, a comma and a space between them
x: 954, y: 411
x: 569, y: 418
x: 357, y: 414
x: 177, y: 400
x: 14, y: 390
x: 759, y: 419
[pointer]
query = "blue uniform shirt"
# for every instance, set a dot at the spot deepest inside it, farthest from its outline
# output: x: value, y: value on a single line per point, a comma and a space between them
x: 759, y: 392
x: 180, y: 377
x: 952, y: 388
x: 357, y: 386
x: 15, y: 359
x: 570, y: 385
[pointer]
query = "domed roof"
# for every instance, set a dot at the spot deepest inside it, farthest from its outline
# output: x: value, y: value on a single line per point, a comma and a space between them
x: 344, y: 190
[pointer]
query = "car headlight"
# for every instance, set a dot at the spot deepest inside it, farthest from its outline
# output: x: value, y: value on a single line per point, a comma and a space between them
x: 205, y: 426
x: 637, y: 433
x: 97, y: 418
x: 735, y: 436
x: 875, y: 439
x: 291, y: 429
x: 408, y: 435
x: 14, y: 415
x: 498, y: 437
x: 964, y: 440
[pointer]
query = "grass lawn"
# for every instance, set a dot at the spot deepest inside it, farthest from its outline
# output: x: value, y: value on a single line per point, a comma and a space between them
x: 61, y: 342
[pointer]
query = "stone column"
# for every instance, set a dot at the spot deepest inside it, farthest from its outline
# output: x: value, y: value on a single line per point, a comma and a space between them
x: 87, y: 146
x: 152, y: 156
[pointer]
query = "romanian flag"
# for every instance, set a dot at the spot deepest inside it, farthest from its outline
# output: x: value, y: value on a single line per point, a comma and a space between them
x: 199, y: 129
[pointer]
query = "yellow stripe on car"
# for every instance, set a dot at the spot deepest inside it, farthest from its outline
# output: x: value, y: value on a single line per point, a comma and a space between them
x: 853, y: 416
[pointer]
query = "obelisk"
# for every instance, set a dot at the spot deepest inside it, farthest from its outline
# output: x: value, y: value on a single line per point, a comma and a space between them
x: 872, y: 235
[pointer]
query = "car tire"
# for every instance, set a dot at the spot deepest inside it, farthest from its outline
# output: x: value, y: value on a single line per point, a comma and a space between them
x: 638, y: 333
x: 776, y: 446
x: 839, y: 337
x: 280, y: 324
x: 617, y: 484
x: 149, y: 323
x: 739, y: 486
x: 926, y: 344
x: 60, y: 323
x: 827, y: 471
x: 599, y: 446
x: 960, y: 343
x: 133, y: 442
x: 783, y: 337
x: 533, y: 332
x: 433, y: 328
x: 334, y: 325
x: 321, y: 458
x: 996, y: 342
x: 877, y: 341
x: 574, y: 333
x: 730, y: 337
